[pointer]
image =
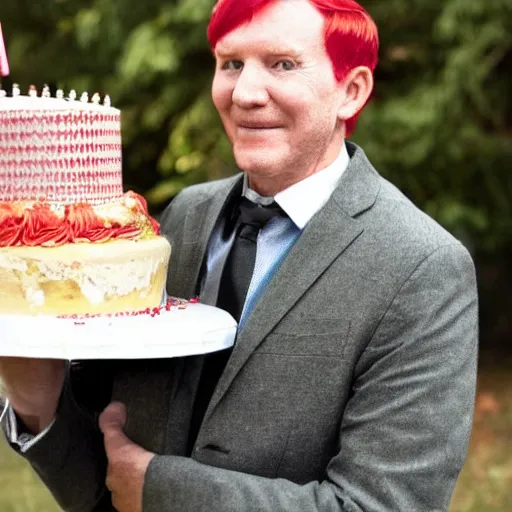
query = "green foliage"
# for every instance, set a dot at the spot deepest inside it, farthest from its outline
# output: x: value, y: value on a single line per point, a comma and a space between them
x: 439, y: 125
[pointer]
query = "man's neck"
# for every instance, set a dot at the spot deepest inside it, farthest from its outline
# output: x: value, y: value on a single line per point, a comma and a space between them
x: 270, y: 185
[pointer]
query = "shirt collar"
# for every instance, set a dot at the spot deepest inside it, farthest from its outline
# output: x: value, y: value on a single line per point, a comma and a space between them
x: 303, y: 199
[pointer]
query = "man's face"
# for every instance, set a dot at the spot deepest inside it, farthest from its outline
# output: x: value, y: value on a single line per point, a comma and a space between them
x: 277, y: 96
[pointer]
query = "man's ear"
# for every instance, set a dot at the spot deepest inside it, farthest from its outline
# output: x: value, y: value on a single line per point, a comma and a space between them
x: 357, y: 87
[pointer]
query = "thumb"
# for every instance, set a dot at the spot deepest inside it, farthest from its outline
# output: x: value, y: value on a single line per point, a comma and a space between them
x: 114, y: 416
x: 111, y: 422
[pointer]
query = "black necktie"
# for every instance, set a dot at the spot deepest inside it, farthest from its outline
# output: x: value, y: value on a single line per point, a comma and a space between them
x: 234, y: 284
x: 239, y: 266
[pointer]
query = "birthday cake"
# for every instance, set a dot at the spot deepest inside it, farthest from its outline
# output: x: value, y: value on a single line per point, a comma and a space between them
x: 70, y: 240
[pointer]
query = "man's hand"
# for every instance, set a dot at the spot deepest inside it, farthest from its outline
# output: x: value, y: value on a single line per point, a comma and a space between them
x: 33, y: 387
x: 127, y: 461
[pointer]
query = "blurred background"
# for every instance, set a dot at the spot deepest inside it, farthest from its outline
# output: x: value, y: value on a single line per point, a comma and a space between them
x: 439, y: 127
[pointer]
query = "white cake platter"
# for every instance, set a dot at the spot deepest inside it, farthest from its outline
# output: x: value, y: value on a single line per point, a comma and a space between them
x: 178, y: 328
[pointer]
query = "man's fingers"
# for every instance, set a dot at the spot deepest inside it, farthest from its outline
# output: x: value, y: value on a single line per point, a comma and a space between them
x: 127, y: 461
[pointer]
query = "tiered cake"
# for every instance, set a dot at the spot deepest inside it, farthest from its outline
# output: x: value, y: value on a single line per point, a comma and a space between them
x: 70, y: 240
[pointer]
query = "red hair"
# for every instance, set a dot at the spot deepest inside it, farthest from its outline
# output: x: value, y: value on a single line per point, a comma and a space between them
x: 351, y: 36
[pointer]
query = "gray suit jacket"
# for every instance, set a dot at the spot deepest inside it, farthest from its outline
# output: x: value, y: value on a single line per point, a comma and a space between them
x: 350, y: 388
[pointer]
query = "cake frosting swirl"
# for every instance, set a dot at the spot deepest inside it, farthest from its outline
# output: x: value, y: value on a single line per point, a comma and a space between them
x: 27, y: 223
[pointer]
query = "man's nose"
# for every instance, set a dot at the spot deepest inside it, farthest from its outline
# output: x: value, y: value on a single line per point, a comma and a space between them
x: 250, y: 89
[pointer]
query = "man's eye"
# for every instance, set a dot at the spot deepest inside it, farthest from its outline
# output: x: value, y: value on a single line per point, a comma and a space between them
x: 233, y: 65
x: 285, y: 65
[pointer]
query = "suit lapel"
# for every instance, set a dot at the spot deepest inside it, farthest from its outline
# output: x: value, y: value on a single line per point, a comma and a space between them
x: 198, y: 225
x: 323, y: 240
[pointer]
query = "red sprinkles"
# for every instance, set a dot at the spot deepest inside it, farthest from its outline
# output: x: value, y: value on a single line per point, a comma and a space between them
x: 152, y: 312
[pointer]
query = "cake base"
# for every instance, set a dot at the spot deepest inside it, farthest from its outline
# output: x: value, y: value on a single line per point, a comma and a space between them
x: 178, y: 331
x: 118, y: 275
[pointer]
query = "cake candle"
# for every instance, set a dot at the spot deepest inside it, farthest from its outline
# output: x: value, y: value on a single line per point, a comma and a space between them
x: 4, y: 63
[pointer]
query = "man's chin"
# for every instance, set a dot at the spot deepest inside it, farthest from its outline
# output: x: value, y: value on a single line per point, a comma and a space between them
x: 258, y: 164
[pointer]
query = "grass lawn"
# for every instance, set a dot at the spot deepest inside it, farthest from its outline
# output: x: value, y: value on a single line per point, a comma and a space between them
x: 20, y: 488
x: 485, y: 484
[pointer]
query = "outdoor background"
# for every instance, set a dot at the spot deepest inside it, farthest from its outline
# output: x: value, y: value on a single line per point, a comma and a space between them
x: 439, y: 127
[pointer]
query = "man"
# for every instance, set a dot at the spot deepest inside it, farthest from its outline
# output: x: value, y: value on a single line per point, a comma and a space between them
x: 351, y: 383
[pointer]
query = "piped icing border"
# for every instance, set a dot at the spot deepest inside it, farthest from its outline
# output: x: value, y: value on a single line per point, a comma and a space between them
x: 27, y: 223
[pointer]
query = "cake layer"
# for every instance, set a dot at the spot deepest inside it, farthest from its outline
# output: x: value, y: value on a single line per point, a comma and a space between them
x: 119, y: 275
x: 59, y: 151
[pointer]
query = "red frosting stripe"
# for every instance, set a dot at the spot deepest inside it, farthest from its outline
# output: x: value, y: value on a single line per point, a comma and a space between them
x: 10, y: 225
x: 41, y: 226
x: 36, y: 224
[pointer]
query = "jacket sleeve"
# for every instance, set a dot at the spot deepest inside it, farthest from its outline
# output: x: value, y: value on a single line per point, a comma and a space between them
x: 70, y: 458
x: 405, y: 430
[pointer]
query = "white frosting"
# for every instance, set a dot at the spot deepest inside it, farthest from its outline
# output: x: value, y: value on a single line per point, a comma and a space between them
x: 51, y: 104
x: 59, y: 151
x: 115, y: 212
x: 35, y: 296
x: 12, y: 262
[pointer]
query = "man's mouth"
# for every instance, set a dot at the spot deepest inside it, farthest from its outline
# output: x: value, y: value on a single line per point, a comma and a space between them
x: 257, y: 127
